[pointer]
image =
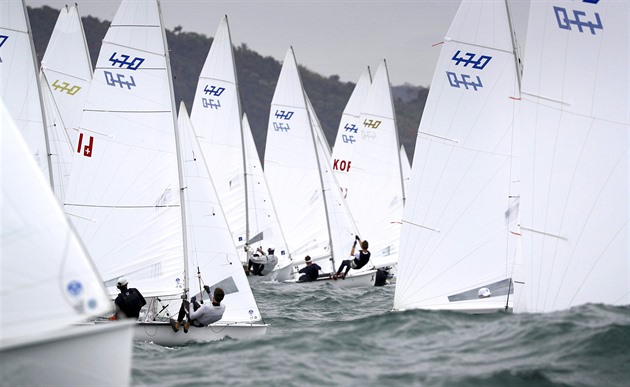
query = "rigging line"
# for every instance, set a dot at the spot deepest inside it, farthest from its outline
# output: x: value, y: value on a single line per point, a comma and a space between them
x: 118, y: 206
x: 421, y: 226
x: 47, y: 69
x: 440, y: 137
x: 137, y: 25
x: 218, y: 79
x: 544, y: 233
x: 14, y: 30
x: 507, y: 299
x: 545, y: 98
x: 94, y: 131
x: 80, y: 217
x: 126, y: 111
x: 161, y: 55
x: 478, y: 45
x: 114, y: 67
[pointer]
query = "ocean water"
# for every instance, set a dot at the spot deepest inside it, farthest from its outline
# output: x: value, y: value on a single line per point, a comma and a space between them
x: 325, y: 335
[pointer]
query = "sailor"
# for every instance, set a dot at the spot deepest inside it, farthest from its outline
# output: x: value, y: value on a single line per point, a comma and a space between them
x: 202, y: 314
x: 129, y: 301
x: 310, y: 272
x: 361, y: 259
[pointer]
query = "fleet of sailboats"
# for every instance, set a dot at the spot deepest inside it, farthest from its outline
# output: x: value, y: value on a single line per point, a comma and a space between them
x: 516, y: 200
x: 142, y: 202
x: 309, y: 204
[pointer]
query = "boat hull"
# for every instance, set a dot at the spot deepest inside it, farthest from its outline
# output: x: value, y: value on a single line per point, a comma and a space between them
x: 162, y: 333
x: 364, y: 278
x: 80, y: 355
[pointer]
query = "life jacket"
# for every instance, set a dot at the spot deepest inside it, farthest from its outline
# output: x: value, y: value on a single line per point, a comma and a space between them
x: 130, y: 302
x: 363, y: 259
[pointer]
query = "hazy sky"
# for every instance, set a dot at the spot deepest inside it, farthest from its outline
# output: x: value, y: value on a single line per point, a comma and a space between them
x: 329, y: 36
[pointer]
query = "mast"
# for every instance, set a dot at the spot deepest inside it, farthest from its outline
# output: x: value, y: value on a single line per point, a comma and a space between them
x: 518, y: 65
x: 400, y: 172
x: 41, y: 100
x: 87, y: 50
x: 517, y: 57
x: 240, y: 125
x: 179, y: 156
x: 319, y: 170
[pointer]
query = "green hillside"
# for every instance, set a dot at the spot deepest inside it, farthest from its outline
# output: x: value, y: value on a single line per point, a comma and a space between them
x: 257, y: 76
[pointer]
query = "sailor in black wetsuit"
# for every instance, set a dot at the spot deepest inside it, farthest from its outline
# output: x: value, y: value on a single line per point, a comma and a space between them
x: 129, y: 301
x: 360, y: 259
x: 310, y: 271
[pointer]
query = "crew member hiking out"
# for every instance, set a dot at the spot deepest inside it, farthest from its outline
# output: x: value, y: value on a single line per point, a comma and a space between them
x: 361, y: 259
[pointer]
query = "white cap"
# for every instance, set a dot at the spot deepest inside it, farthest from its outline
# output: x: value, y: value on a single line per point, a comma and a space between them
x: 484, y: 292
x: 122, y: 281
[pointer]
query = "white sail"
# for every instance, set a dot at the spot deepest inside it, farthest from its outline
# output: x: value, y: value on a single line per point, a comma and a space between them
x: 211, y: 251
x: 20, y: 84
x: 48, y: 276
x: 40, y: 251
x: 65, y: 78
x: 123, y: 194
x: 68, y: 68
x: 459, y: 232
x: 574, y: 127
x: 231, y: 153
x: 347, y: 134
x: 216, y: 115
x: 374, y: 174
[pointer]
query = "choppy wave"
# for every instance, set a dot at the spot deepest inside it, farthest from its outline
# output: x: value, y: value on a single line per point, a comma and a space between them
x: 322, y: 334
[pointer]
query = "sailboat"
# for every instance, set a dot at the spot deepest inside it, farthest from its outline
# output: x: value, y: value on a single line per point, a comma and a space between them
x: 574, y: 127
x: 141, y: 200
x: 20, y: 85
x: 460, y: 233
x: 308, y: 200
x: 231, y: 154
x: 65, y: 76
x: 372, y: 167
x: 49, y: 286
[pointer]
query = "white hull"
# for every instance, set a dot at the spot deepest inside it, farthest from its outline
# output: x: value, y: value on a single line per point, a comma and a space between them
x: 471, y: 307
x: 365, y: 278
x: 162, y: 333
x: 278, y: 275
x: 80, y: 355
